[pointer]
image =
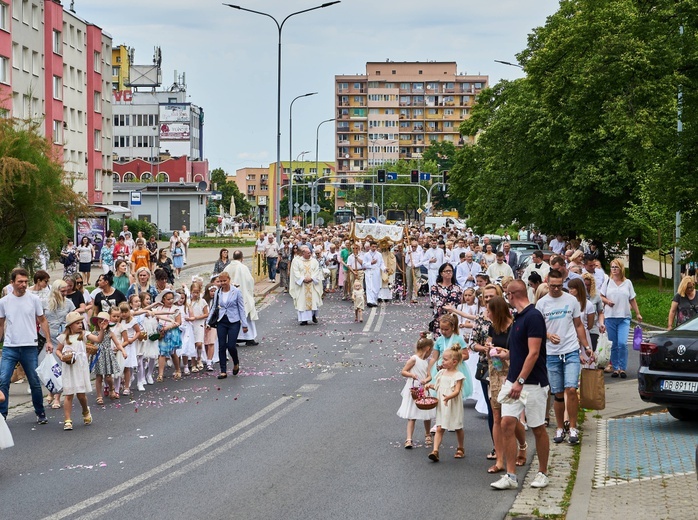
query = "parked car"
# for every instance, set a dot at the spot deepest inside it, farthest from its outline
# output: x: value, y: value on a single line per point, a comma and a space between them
x: 524, y: 249
x: 668, y: 372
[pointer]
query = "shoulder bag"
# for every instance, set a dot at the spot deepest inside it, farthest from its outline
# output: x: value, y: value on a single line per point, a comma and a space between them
x: 215, y: 312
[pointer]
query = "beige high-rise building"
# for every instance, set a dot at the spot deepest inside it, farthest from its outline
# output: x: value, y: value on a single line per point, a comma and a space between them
x: 395, y: 111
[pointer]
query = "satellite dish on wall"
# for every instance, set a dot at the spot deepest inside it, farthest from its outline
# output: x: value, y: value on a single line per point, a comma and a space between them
x: 202, y: 186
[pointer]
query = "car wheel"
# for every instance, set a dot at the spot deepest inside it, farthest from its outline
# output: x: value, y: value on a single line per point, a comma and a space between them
x: 683, y: 414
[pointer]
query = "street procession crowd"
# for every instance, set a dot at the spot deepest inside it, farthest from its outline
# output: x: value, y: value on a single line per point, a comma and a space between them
x: 503, y: 338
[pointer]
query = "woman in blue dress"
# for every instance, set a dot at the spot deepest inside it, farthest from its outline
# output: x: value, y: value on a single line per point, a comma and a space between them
x: 178, y: 258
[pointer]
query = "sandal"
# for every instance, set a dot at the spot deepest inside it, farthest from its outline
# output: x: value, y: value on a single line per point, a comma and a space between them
x: 68, y: 425
x: 113, y: 395
x: 608, y: 369
x: 460, y: 453
x: 55, y: 405
x: 87, y: 417
x: 100, y: 400
x: 492, y: 455
x: 615, y: 373
x: 521, y: 459
x: 434, y: 455
x: 158, y: 379
x: 408, y: 444
x: 177, y: 376
x: 427, y: 440
x: 494, y: 469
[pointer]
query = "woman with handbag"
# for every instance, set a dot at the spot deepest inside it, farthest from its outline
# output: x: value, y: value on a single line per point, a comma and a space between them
x: 227, y: 314
x: 56, y: 312
x: 620, y: 293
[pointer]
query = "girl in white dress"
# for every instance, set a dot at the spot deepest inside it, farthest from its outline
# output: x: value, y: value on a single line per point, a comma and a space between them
x: 76, y: 375
x: 357, y: 295
x: 149, y: 325
x: 130, y: 336
x: 416, y: 369
x: 449, y: 410
x: 198, y: 312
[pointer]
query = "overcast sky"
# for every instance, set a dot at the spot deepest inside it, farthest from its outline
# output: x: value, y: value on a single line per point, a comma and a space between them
x: 229, y: 56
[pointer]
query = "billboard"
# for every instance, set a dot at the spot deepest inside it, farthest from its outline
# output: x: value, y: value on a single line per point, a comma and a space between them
x: 144, y: 76
x: 175, y: 113
x: 93, y: 228
x: 174, y: 131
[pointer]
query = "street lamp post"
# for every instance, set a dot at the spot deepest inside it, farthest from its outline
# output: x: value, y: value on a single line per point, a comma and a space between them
x: 157, y: 180
x: 279, y: 26
x: 313, y: 190
x: 290, y: 153
x: 301, y: 157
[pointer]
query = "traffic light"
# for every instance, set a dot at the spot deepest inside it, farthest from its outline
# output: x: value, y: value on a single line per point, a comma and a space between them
x: 414, y: 176
x: 368, y: 185
x: 444, y: 181
x: 381, y: 175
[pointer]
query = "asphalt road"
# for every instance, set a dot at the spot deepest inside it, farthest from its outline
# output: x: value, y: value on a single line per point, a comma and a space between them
x: 308, y: 430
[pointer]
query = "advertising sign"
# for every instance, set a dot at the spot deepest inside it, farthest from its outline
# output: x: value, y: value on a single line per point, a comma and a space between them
x: 94, y: 228
x: 175, y: 113
x: 174, y: 131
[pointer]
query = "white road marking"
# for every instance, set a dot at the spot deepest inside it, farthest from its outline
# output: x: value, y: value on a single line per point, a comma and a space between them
x: 308, y: 388
x: 381, y: 316
x: 194, y: 452
x: 324, y: 376
x: 358, y: 346
x: 369, y: 321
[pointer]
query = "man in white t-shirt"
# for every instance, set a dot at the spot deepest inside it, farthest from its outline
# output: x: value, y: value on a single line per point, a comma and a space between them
x: 20, y: 311
x: 184, y: 238
x: 565, y: 333
x: 557, y: 245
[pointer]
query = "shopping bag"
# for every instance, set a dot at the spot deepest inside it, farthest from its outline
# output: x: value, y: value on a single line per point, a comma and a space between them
x: 6, y: 440
x: 603, y: 351
x: 637, y: 338
x: 49, y: 372
x: 592, y: 389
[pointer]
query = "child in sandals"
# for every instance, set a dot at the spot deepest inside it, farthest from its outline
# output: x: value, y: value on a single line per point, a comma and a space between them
x: 76, y: 374
x: 108, y: 342
x: 416, y: 370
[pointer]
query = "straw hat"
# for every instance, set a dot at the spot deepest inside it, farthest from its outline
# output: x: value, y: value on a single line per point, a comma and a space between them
x: 94, y: 320
x: 164, y: 293
x: 71, y: 318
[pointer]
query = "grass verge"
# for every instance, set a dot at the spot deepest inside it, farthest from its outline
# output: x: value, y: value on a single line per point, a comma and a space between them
x: 197, y: 242
x: 654, y: 303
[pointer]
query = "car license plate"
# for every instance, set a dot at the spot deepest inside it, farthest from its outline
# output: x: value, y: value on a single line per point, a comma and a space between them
x: 679, y: 386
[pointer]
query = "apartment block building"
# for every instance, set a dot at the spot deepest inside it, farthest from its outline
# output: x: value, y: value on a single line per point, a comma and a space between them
x: 55, y: 72
x: 395, y: 111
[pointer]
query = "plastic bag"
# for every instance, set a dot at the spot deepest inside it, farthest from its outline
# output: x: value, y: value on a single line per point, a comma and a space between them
x: 603, y: 351
x: 6, y: 440
x: 637, y: 338
x: 50, y: 371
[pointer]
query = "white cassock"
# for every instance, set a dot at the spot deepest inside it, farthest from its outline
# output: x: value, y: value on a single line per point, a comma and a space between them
x: 373, y: 264
x: 433, y: 267
x: 464, y: 270
x: 390, y: 263
x: 307, y: 297
x: 241, y: 277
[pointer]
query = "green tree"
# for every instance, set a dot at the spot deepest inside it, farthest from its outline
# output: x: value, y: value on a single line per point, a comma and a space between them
x: 578, y: 144
x: 36, y: 196
x: 229, y: 189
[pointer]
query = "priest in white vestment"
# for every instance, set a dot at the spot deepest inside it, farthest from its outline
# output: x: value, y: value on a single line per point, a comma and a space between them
x: 241, y: 277
x: 305, y: 286
x: 373, y: 266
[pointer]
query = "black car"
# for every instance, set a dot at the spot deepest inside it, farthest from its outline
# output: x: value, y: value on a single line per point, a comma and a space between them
x: 668, y: 372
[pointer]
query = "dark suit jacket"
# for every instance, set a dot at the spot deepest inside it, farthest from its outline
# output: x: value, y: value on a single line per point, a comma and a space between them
x: 513, y: 260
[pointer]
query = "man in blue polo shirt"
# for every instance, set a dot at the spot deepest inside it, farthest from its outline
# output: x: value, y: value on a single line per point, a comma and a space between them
x: 527, y: 373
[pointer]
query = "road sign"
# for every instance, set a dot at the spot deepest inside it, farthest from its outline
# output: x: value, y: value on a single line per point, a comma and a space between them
x: 316, y: 208
x: 419, y: 210
x: 135, y: 198
x: 372, y: 220
x: 305, y: 207
x: 296, y: 205
x: 381, y: 219
x: 424, y: 176
x: 320, y: 221
x: 392, y: 176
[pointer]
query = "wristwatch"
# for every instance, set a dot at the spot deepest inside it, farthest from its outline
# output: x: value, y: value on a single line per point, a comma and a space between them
x: 521, y: 380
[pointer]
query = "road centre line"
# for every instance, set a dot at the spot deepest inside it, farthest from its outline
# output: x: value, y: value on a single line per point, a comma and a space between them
x: 381, y: 316
x: 194, y: 452
x: 369, y: 321
x: 308, y: 388
x: 324, y: 376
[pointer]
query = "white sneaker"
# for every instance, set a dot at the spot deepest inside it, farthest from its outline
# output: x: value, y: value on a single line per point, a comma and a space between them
x: 186, y: 371
x: 149, y: 379
x: 505, y: 482
x: 141, y: 388
x: 540, y: 481
x: 209, y: 367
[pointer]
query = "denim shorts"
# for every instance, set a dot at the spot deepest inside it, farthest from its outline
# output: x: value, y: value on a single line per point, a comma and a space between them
x: 563, y: 371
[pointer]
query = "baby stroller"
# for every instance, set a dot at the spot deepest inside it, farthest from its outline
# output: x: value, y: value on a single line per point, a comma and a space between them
x: 423, y: 282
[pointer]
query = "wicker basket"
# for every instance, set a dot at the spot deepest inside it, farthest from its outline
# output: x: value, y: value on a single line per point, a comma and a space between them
x: 91, y: 349
x: 414, y: 391
x: 68, y: 357
x: 426, y: 403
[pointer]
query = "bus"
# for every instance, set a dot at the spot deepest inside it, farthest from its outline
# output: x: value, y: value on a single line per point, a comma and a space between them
x: 343, y: 216
x: 395, y: 216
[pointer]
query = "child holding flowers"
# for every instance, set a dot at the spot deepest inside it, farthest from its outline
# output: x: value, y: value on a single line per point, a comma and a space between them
x: 416, y: 370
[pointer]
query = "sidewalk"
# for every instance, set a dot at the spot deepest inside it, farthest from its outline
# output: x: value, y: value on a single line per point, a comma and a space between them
x: 199, y: 263
x: 634, y: 462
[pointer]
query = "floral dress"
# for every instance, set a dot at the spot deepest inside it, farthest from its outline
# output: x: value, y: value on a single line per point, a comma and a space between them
x: 106, y: 364
x: 70, y: 268
x: 441, y: 296
x: 171, y: 340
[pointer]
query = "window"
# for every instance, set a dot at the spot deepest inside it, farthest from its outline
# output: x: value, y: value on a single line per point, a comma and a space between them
x: 98, y: 61
x: 16, y: 56
x: 57, y: 88
x: 35, y: 17
x: 98, y: 139
x: 26, y: 59
x: 4, y: 22
x: 98, y: 101
x: 4, y: 70
x: 36, y: 63
x: 16, y: 6
x: 26, y: 11
x: 57, y: 132
x: 57, y: 42
x: 98, y: 180
x: 448, y: 111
